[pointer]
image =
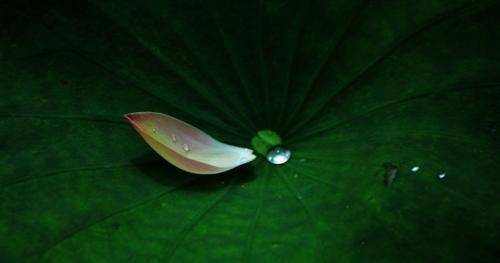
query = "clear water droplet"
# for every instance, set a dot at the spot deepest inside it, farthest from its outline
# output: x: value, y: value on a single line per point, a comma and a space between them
x: 174, y: 138
x: 441, y: 175
x: 415, y: 169
x: 185, y: 147
x: 278, y: 155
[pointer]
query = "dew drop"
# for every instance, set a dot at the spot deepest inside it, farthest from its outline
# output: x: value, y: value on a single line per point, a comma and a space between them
x: 185, y: 147
x: 174, y: 138
x: 415, y: 169
x: 278, y: 155
x: 441, y: 175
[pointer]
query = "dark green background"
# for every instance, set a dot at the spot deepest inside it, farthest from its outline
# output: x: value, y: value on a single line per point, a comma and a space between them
x: 349, y: 85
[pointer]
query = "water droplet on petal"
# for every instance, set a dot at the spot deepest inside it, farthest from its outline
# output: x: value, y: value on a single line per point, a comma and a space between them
x: 441, y: 175
x: 415, y: 169
x: 174, y: 138
x: 185, y: 147
x: 278, y: 155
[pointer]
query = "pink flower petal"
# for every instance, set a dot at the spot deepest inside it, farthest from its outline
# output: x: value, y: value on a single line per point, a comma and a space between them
x: 185, y: 146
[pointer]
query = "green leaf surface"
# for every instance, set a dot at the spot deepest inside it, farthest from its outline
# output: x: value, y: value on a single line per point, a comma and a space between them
x: 347, y: 85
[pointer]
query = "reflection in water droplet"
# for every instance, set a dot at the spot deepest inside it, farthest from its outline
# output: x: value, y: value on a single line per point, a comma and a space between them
x: 174, y: 138
x: 186, y: 147
x: 415, y: 169
x: 441, y: 175
x: 278, y: 155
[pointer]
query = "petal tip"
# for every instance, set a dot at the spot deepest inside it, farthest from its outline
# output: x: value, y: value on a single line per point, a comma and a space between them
x: 129, y: 116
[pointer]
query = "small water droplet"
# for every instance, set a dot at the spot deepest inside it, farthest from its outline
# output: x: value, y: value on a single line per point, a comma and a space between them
x: 154, y: 130
x: 278, y: 155
x: 415, y: 169
x: 295, y: 176
x: 299, y: 197
x: 243, y: 186
x: 441, y: 175
x: 302, y: 160
x: 185, y: 147
x: 174, y: 138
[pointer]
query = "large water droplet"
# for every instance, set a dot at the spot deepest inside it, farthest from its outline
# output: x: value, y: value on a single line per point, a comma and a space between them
x: 186, y: 147
x: 278, y: 155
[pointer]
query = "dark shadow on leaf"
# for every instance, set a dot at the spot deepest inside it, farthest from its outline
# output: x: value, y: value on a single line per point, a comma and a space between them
x: 164, y: 173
